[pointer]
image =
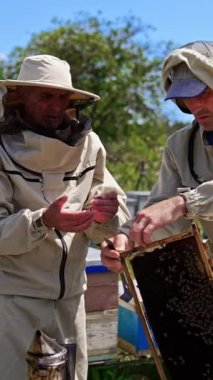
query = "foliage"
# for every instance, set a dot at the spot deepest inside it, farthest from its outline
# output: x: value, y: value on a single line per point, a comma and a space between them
x: 137, y: 158
x: 136, y: 369
x: 115, y: 61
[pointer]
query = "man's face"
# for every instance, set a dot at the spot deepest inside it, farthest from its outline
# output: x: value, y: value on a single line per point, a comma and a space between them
x: 44, y: 107
x: 202, y: 108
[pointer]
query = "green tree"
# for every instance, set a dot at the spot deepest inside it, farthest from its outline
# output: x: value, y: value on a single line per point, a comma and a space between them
x: 115, y: 61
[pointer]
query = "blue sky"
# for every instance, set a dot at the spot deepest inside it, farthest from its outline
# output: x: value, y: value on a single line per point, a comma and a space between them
x: 180, y: 21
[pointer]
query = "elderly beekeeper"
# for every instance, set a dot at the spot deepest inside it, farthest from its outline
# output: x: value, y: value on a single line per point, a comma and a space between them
x: 184, y: 190
x: 55, y: 196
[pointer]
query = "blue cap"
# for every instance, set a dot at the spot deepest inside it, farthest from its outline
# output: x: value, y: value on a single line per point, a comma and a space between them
x: 184, y: 84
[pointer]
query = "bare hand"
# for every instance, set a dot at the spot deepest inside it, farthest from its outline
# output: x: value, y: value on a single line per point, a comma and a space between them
x: 154, y: 217
x: 105, y: 207
x: 111, y: 257
x: 56, y: 216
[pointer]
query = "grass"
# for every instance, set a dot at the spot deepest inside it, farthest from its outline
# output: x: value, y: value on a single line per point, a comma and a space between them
x: 124, y: 367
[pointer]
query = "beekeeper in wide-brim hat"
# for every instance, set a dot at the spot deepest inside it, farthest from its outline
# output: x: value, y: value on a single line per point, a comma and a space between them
x: 44, y: 71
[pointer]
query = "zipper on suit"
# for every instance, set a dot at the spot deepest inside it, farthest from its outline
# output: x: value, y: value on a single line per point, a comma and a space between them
x: 62, y: 266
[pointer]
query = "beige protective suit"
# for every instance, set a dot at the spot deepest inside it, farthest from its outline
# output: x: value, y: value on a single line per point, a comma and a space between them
x: 42, y: 277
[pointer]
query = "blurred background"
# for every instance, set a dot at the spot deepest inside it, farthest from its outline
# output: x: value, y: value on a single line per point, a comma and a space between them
x: 115, y: 49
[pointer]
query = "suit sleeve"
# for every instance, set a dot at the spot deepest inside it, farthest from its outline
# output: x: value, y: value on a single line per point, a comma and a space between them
x: 104, y: 182
x: 18, y: 230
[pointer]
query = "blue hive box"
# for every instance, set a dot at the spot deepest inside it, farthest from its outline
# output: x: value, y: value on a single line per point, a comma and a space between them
x: 131, y: 336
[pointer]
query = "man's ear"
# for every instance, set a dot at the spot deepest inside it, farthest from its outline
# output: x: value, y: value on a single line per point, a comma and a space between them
x: 11, y: 100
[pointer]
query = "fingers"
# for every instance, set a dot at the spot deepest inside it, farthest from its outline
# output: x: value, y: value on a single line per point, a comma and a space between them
x: 59, y: 203
x: 141, y: 236
x: 56, y: 216
x: 155, y: 217
x: 109, y: 195
x: 111, y: 257
x: 76, y: 221
x: 105, y: 206
x: 141, y: 230
x: 147, y: 233
x: 122, y: 243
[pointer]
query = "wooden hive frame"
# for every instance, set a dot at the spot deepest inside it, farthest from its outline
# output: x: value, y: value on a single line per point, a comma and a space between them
x: 128, y: 257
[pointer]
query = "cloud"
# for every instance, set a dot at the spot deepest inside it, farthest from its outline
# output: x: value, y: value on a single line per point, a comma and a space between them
x: 3, y: 56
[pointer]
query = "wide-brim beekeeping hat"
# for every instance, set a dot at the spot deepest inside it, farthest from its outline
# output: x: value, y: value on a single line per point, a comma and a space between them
x: 45, y: 71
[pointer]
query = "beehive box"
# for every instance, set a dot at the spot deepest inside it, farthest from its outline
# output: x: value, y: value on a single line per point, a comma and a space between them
x: 102, y: 327
x: 101, y: 302
x: 131, y: 336
x: 102, y: 284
